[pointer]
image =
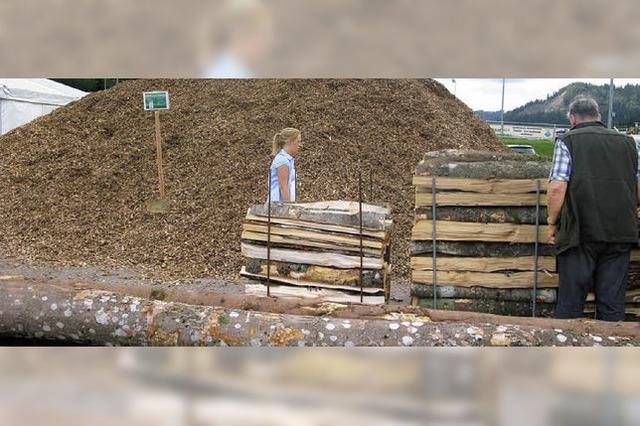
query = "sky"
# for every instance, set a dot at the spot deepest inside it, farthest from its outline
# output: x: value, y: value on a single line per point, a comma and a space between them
x: 486, y: 94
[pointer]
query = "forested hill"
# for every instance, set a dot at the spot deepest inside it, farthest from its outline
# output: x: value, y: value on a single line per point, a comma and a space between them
x: 626, y: 105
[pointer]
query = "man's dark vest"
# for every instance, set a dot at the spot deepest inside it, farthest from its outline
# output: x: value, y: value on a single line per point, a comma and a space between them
x: 601, y: 200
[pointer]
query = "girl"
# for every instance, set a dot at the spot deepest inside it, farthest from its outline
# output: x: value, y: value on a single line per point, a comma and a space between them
x: 286, y: 145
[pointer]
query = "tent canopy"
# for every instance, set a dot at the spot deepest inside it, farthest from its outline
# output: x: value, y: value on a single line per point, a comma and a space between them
x: 25, y: 99
x: 38, y: 90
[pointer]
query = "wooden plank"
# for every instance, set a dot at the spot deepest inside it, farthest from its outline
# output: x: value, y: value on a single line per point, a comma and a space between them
x: 320, y: 294
x: 343, y: 213
x: 482, y: 279
x: 275, y: 277
x: 544, y: 295
x: 470, y: 231
x: 470, y: 199
x: 313, y: 235
x: 484, y: 186
x: 383, y: 235
x: 318, y: 274
x: 279, y: 239
x: 484, y: 264
x: 333, y: 260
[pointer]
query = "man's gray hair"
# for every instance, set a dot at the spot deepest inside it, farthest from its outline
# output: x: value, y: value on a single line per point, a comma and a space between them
x: 584, y: 107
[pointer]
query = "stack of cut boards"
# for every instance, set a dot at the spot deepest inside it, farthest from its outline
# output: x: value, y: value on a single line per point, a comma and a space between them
x: 485, y: 235
x: 316, y: 251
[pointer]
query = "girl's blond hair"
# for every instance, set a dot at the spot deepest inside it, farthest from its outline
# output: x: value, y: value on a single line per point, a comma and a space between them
x: 282, y: 137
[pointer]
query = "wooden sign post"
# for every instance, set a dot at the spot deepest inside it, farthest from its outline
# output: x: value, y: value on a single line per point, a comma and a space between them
x: 157, y: 101
x: 159, y: 154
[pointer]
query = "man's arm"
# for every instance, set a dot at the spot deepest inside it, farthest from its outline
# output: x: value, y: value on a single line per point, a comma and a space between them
x: 555, y: 199
x: 283, y: 183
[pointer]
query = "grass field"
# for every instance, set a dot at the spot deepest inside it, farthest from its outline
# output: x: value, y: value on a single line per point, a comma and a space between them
x: 542, y: 147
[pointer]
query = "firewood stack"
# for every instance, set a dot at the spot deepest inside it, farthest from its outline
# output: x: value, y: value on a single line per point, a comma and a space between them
x: 485, y: 233
x: 316, y: 250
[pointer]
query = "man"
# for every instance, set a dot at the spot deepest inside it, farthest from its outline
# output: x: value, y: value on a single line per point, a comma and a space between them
x: 592, y: 200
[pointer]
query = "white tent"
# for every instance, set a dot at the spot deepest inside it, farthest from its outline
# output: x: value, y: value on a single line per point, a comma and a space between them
x: 24, y: 99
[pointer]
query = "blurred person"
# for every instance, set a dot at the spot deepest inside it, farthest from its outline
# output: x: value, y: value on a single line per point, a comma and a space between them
x: 245, y: 37
x: 282, y: 176
x: 592, y: 201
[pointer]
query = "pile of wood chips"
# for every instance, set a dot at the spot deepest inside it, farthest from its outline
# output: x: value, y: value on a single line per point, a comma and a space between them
x: 318, y: 250
x: 74, y: 183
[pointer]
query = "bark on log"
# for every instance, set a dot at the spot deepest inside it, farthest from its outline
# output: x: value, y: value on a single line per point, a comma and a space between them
x: 46, y: 311
x: 489, y: 306
x: 543, y: 295
x: 487, y: 170
x: 331, y: 212
x: 480, y: 249
x: 334, y: 260
x: 320, y: 274
x: 463, y: 155
x: 517, y: 215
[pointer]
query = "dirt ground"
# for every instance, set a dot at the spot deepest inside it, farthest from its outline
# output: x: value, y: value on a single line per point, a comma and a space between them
x: 144, y: 286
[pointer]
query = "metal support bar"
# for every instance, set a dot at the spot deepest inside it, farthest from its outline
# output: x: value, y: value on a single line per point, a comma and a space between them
x: 269, y: 234
x: 361, y: 244
x: 534, y: 295
x: 433, y: 239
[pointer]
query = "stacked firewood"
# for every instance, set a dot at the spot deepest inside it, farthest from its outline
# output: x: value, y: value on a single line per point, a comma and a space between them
x: 485, y: 236
x: 485, y: 233
x: 329, y: 250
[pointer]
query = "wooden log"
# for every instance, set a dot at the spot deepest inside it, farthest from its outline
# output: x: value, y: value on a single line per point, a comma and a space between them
x: 95, y: 317
x: 490, y: 306
x: 484, y: 264
x: 302, y: 243
x: 486, y: 232
x: 482, y: 186
x: 470, y: 199
x: 348, y: 278
x: 318, y: 236
x: 343, y: 213
x: 333, y: 260
x: 544, y: 295
x: 485, y: 170
x: 479, y: 249
x: 631, y: 296
x: 382, y: 235
x: 482, y: 279
x: 319, y: 294
x: 309, y: 249
x: 467, y: 155
x: 517, y: 215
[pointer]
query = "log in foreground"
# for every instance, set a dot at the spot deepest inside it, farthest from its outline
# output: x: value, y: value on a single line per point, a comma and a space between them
x: 46, y: 311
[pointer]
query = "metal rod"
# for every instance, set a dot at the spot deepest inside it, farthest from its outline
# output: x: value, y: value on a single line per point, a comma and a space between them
x: 502, y: 109
x: 534, y: 295
x: 610, y: 112
x: 269, y: 234
x: 361, y: 245
x: 433, y: 239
